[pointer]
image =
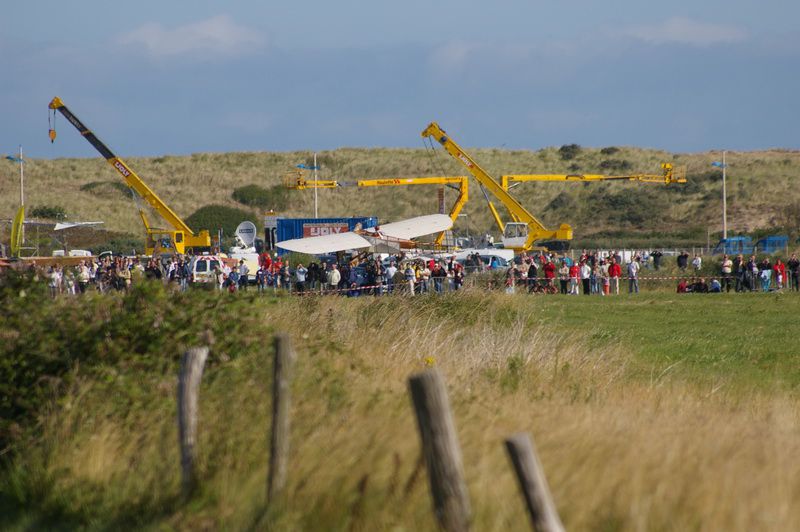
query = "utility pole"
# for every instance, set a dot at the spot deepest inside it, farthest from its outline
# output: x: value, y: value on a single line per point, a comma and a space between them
x: 21, y: 191
x: 724, y: 199
x: 316, y: 214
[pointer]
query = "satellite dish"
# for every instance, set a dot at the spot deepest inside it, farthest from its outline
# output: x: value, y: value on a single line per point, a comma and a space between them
x: 246, y: 233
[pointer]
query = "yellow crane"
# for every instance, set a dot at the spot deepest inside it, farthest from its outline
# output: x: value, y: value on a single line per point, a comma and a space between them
x: 669, y: 175
x: 180, y: 236
x: 296, y: 180
x: 525, y: 229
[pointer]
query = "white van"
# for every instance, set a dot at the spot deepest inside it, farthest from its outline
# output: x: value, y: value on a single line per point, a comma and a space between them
x: 203, y: 268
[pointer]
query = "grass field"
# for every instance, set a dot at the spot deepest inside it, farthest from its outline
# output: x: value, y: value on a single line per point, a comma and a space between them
x: 654, y: 412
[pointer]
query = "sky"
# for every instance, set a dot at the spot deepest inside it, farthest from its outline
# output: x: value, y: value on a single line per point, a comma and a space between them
x: 177, y: 77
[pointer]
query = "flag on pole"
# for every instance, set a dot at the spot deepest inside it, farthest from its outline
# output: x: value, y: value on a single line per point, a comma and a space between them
x: 307, y: 167
x: 719, y: 164
x: 14, y: 159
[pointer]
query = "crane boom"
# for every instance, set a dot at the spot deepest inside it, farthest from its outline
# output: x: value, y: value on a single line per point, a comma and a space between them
x: 182, y: 235
x: 669, y: 175
x: 518, y: 236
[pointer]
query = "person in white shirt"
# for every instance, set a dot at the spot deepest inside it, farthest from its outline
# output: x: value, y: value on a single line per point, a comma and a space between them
x: 586, y: 275
x: 633, y: 277
x: 391, y: 271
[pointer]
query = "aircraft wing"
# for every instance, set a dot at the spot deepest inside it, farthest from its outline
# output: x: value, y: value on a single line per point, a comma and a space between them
x: 320, y: 245
x: 414, y: 227
x: 66, y: 225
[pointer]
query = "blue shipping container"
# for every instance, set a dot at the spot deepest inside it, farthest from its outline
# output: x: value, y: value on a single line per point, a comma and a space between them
x: 773, y: 244
x: 291, y: 228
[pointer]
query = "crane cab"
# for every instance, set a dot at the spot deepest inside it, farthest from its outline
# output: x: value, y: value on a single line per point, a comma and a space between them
x: 165, y: 243
x: 515, y: 235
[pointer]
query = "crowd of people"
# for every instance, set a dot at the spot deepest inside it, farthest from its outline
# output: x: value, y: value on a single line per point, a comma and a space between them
x: 747, y: 276
x: 364, y: 275
x: 591, y: 273
x: 541, y: 272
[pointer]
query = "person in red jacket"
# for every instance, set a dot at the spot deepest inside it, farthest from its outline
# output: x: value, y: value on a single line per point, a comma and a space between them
x: 549, y: 272
x: 779, y: 271
x: 614, y: 273
x: 574, y: 273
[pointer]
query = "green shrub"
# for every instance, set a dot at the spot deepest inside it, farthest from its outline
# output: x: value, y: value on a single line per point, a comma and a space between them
x: 49, y: 212
x: 562, y: 202
x: 611, y: 150
x: 275, y: 197
x: 569, y: 151
x: 114, y: 189
x: 616, y: 165
x: 214, y: 217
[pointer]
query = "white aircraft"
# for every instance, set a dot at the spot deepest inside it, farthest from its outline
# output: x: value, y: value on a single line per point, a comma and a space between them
x: 391, y: 236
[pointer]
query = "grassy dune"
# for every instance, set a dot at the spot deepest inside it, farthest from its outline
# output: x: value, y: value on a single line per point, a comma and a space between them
x: 761, y: 189
x: 653, y: 413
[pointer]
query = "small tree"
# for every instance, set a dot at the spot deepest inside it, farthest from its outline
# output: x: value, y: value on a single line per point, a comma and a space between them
x: 569, y: 151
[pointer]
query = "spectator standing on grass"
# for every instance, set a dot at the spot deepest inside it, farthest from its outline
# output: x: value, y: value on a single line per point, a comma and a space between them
x: 794, y: 272
x: 563, y: 276
x: 300, y: 274
x: 614, y: 274
x: 439, y: 274
x: 738, y: 272
x: 549, y: 272
x: 726, y: 268
x: 697, y: 263
x: 124, y: 274
x: 765, y: 274
x: 633, y: 277
x: 574, y: 275
x: 313, y: 275
x: 586, y: 277
x: 657, y: 254
x: 83, y: 277
x: 779, y: 272
x: 53, y: 281
x: 261, y: 277
x: 333, y: 278
x: 391, y: 271
x: 595, y: 279
x: 244, y: 273
x: 458, y: 276
x: 752, y: 273
x: 683, y: 260
x: 410, y: 276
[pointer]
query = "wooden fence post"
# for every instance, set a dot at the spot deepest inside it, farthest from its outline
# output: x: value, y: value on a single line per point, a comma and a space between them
x: 279, y: 439
x: 191, y: 372
x: 533, y: 484
x: 440, y: 448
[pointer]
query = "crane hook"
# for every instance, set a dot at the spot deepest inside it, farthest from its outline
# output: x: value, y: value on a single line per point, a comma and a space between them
x: 52, y: 127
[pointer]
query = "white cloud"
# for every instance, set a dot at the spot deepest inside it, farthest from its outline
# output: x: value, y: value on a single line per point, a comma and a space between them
x: 686, y: 31
x: 452, y: 56
x: 216, y: 36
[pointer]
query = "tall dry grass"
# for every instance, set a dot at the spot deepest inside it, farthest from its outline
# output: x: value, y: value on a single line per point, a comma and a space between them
x: 620, y: 453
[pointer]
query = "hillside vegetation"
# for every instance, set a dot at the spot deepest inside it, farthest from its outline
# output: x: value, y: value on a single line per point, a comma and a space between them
x: 761, y: 189
x: 657, y: 412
